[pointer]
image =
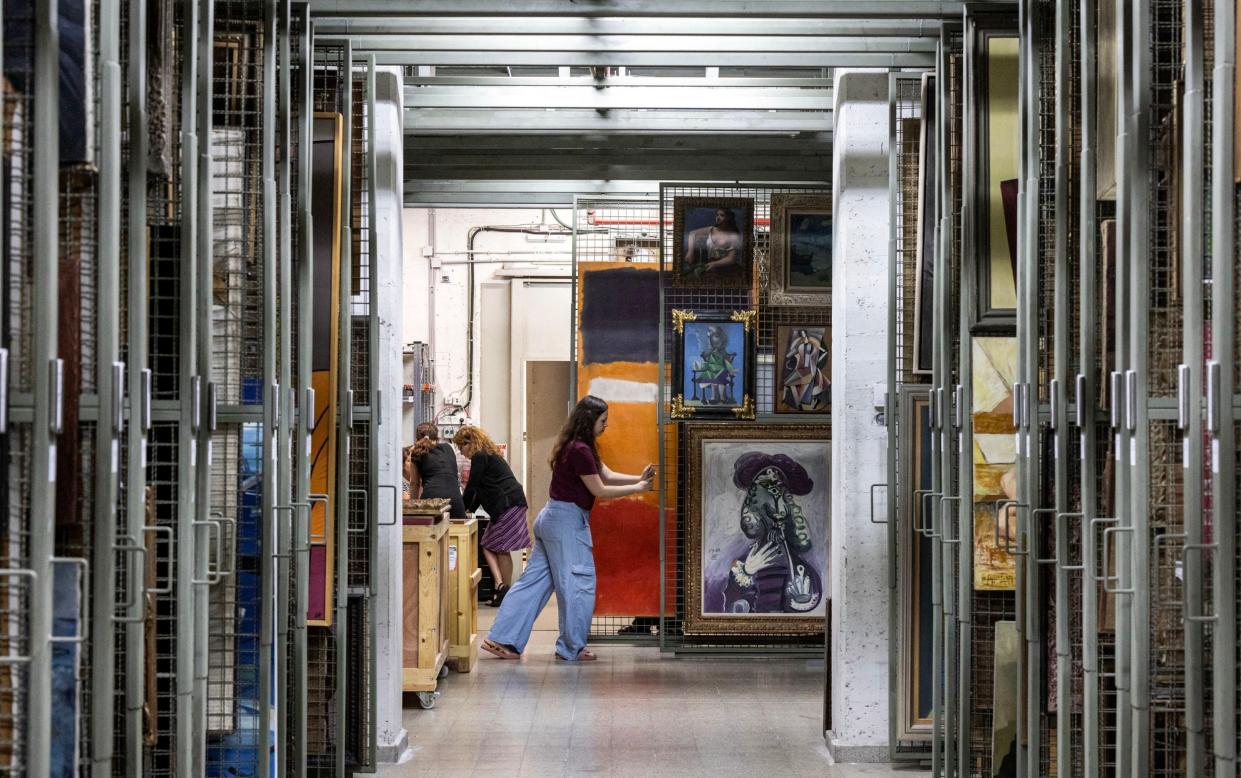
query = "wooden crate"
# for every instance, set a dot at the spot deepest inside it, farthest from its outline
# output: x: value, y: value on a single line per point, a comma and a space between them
x: 463, y: 577
x: 426, y: 608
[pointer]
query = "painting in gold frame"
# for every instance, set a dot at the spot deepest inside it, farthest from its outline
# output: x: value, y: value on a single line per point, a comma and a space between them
x: 757, y: 529
x: 801, y: 250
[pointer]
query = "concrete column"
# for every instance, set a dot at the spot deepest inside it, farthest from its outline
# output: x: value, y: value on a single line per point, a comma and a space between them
x: 859, y: 563
x: 393, y: 740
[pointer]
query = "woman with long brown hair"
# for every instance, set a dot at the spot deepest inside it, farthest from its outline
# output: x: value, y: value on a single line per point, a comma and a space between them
x: 563, y: 559
x: 431, y: 469
x: 494, y: 488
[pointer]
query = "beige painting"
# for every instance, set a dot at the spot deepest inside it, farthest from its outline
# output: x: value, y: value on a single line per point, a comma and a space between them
x: 1003, y: 134
x: 995, y: 460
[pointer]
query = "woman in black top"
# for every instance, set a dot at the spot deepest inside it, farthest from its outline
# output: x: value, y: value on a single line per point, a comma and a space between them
x: 432, y: 469
x: 493, y: 486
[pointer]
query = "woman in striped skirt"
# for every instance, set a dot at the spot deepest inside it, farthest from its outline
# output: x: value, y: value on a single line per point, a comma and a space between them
x: 493, y: 486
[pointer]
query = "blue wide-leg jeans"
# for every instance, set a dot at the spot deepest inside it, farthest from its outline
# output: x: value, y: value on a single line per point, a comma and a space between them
x: 563, y: 561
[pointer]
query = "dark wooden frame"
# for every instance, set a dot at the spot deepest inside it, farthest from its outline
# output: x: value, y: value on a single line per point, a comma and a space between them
x: 928, y: 218
x: 742, y: 277
x: 980, y: 30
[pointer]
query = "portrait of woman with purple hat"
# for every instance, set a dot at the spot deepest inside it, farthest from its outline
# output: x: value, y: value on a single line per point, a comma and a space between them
x: 774, y: 576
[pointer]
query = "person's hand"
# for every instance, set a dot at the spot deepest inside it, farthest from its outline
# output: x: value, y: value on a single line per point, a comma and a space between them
x: 646, y: 485
x: 649, y: 473
x: 760, y: 557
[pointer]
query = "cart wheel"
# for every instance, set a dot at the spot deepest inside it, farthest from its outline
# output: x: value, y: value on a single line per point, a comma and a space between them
x: 427, y: 699
x: 443, y: 672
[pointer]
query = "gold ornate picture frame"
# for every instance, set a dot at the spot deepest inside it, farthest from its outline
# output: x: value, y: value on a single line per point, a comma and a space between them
x: 713, y: 367
x: 731, y: 468
x: 800, y: 267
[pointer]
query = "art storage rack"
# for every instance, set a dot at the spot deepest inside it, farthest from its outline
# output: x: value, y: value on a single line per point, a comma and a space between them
x: 156, y: 356
x: 1126, y: 397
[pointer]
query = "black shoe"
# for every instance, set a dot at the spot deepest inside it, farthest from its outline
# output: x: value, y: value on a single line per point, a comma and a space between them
x: 497, y: 597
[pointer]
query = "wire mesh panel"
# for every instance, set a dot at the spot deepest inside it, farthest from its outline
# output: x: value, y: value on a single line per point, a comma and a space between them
x: 235, y: 609
x: 1165, y: 306
x: 237, y: 478
x: 704, y: 299
x: 618, y: 230
x: 161, y: 627
x: 20, y: 144
x: 15, y: 588
x: 237, y: 194
x: 910, y: 557
x: 323, y: 740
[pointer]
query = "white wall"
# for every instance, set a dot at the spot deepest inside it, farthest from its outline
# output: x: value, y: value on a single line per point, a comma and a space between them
x: 859, y: 443
x: 443, y: 234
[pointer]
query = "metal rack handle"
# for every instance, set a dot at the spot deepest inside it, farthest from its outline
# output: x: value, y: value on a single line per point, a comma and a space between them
x: 1096, y: 522
x: 213, y: 577
x: 1002, y: 506
x: 84, y: 589
x: 944, y: 531
x: 172, y: 540
x: 293, y: 509
x: 1212, y: 548
x: 1159, y: 541
x: 1106, y: 577
x: 141, y: 551
x: 220, y: 517
x: 873, y: 487
x: 311, y: 499
x: 366, y: 512
x: 17, y: 572
x: 1062, y: 531
x: 926, y: 530
x: 396, y: 505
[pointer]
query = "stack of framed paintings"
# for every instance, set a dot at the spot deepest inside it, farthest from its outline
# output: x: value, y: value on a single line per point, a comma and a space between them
x: 747, y: 314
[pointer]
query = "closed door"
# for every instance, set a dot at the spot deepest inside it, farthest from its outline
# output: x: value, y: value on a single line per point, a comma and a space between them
x: 547, y: 403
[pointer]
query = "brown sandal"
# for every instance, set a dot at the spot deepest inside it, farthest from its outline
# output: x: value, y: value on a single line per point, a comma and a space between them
x: 499, y: 650
x: 586, y: 655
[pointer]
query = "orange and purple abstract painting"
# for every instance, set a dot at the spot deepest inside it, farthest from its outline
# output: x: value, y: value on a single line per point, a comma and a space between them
x: 618, y: 361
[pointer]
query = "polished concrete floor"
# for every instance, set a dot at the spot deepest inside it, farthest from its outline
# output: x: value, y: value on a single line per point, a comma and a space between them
x: 634, y: 712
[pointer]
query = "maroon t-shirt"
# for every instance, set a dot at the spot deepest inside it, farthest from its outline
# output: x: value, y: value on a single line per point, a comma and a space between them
x: 575, y: 461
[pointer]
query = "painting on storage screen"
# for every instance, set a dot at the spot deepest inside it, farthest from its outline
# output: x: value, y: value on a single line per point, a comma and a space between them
x: 995, y: 462
x: 326, y: 208
x: 756, y: 545
x: 618, y: 361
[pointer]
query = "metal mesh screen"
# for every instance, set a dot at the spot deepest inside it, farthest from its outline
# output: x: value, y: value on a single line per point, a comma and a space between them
x: 18, y: 222
x: 236, y: 198
x: 331, y: 69
x: 908, y: 129
x: 708, y: 298
x: 161, y: 505
x: 235, y: 609
x: 615, y: 230
x: 908, y: 144
x: 1165, y: 305
x: 16, y: 448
